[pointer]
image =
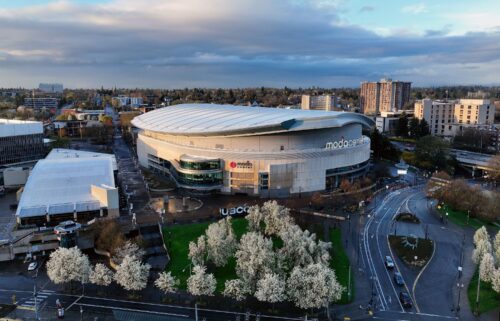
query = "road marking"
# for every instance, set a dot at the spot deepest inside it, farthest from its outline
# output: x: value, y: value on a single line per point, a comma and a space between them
x: 419, y: 274
x: 133, y: 310
x: 382, y: 257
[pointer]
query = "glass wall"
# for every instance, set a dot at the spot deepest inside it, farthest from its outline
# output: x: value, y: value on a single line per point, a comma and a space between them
x: 200, y: 165
x: 199, y: 179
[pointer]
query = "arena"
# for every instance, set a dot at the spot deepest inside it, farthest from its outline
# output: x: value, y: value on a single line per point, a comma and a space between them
x: 268, y: 152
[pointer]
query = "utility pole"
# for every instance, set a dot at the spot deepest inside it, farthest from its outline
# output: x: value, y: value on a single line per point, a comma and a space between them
x: 196, y: 311
x: 477, y: 294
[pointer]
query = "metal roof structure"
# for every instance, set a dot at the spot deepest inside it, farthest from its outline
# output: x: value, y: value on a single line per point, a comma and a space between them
x: 230, y: 120
x: 13, y: 127
x: 63, y: 185
x: 63, y: 153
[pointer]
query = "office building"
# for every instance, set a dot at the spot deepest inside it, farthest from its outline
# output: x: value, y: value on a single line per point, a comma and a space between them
x: 319, y: 102
x: 384, y: 95
x: 268, y: 152
x: 387, y: 122
x: 20, y: 141
x: 41, y: 102
x: 447, y: 118
x: 51, y: 88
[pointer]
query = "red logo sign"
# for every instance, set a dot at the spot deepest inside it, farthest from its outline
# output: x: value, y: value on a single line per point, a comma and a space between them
x: 233, y: 164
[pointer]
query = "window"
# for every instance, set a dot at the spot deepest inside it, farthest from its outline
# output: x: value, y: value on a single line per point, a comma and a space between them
x: 282, y: 147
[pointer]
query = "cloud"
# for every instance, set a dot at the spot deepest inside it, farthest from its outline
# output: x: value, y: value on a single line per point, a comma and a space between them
x: 367, y: 9
x: 417, y: 8
x: 179, y: 43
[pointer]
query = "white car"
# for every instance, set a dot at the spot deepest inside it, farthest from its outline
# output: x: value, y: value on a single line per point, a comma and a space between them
x: 32, y: 266
x: 389, y: 263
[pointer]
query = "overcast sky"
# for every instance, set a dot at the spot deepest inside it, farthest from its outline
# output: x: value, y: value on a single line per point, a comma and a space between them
x: 240, y: 43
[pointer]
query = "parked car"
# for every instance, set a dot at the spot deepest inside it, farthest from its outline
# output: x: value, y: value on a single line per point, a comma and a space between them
x: 398, y: 278
x: 32, y: 266
x: 405, y: 299
x: 389, y: 263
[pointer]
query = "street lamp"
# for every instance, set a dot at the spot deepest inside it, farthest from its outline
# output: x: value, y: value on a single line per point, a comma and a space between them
x: 468, y: 216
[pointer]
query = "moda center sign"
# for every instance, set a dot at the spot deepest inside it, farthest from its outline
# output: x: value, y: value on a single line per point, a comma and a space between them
x: 234, y: 211
x: 246, y: 165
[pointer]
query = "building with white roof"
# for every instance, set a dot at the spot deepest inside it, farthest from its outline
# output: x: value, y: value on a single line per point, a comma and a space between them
x: 253, y: 150
x: 69, y: 184
x: 20, y: 141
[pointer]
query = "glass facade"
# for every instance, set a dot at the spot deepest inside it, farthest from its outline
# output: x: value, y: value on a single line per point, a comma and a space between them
x: 198, y: 173
x: 200, y: 165
x: 17, y: 149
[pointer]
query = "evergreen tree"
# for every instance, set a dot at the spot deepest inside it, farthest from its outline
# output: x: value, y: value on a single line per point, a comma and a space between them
x: 423, y: 128
x: 414, y: 128
x: 402, y: 129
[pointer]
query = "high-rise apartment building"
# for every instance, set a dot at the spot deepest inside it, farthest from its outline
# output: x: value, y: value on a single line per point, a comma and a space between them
x: 447, y: 118
x: 319, y: 102
x: 384, y: 95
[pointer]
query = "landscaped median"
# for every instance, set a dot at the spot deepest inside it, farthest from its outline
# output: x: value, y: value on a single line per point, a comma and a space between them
x: 298, y: 259
x: 413, y: 251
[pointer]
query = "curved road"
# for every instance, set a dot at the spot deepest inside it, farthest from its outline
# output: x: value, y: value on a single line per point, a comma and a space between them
x: 431, y: 288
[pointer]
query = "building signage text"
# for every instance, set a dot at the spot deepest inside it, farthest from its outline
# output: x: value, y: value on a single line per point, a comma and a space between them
x: 234, y: 211
x: 343, y: 143
x: 246, y: 164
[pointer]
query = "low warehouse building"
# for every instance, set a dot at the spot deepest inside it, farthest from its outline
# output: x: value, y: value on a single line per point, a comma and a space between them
x: 69, y: 185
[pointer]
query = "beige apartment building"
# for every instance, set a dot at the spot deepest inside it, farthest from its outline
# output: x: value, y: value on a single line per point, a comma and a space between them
x: 447, y: 118
x: 385, y: 95
x: 319, y: 102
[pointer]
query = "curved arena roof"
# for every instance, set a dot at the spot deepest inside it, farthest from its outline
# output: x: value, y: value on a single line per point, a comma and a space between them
x: 230, y: 120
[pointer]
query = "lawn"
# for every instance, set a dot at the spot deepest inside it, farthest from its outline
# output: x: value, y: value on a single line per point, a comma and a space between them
x: 340, y: 263
x: 488, y: 299
x: 177, y: 239
x: 460, y: 218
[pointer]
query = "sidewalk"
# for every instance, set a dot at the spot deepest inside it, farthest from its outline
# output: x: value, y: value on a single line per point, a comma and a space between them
x: 351, y: 231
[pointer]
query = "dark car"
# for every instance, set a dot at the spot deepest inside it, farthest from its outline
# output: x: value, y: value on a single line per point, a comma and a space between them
x: 405, y: 299
x: 398, y: 278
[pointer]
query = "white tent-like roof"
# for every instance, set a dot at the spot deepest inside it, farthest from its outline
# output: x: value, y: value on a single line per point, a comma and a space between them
x: 63, y: 185
x: 230, y: 120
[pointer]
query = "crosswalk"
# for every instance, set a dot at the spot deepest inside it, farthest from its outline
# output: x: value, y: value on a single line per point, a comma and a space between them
x: 41, y: 297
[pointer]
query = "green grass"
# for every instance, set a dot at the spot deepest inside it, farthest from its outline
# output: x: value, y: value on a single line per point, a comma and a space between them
x: 340, y: 263
x: 460, y: 218
x: 177, y: 239
x: 488, y: 299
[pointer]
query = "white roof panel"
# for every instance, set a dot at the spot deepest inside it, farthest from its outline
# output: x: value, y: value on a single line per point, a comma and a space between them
x: 60, y: 153
x: 213, y: 120
x: 64, y: 184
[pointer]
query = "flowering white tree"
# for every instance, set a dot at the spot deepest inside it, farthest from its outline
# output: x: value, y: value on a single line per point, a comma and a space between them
x: 66, y: 265
x: 276, y: 217
x: 131, y: 274
x: 482, y: 247
x: 313, y: 286
x: 129, y: 248
x: 101, y: 275
x: 198, y: 251
x: 235, y: 289
x: 271, y: 288
x: 166, y: 282
x: 496, y: 247
x: 221, y: 242
x: 254, y: 218
x: 254, y: 258
x: 200, y: 282
x: 300, y: 247
x: 481, y: 234
x: 495, y: 281
x: 487, y: 267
